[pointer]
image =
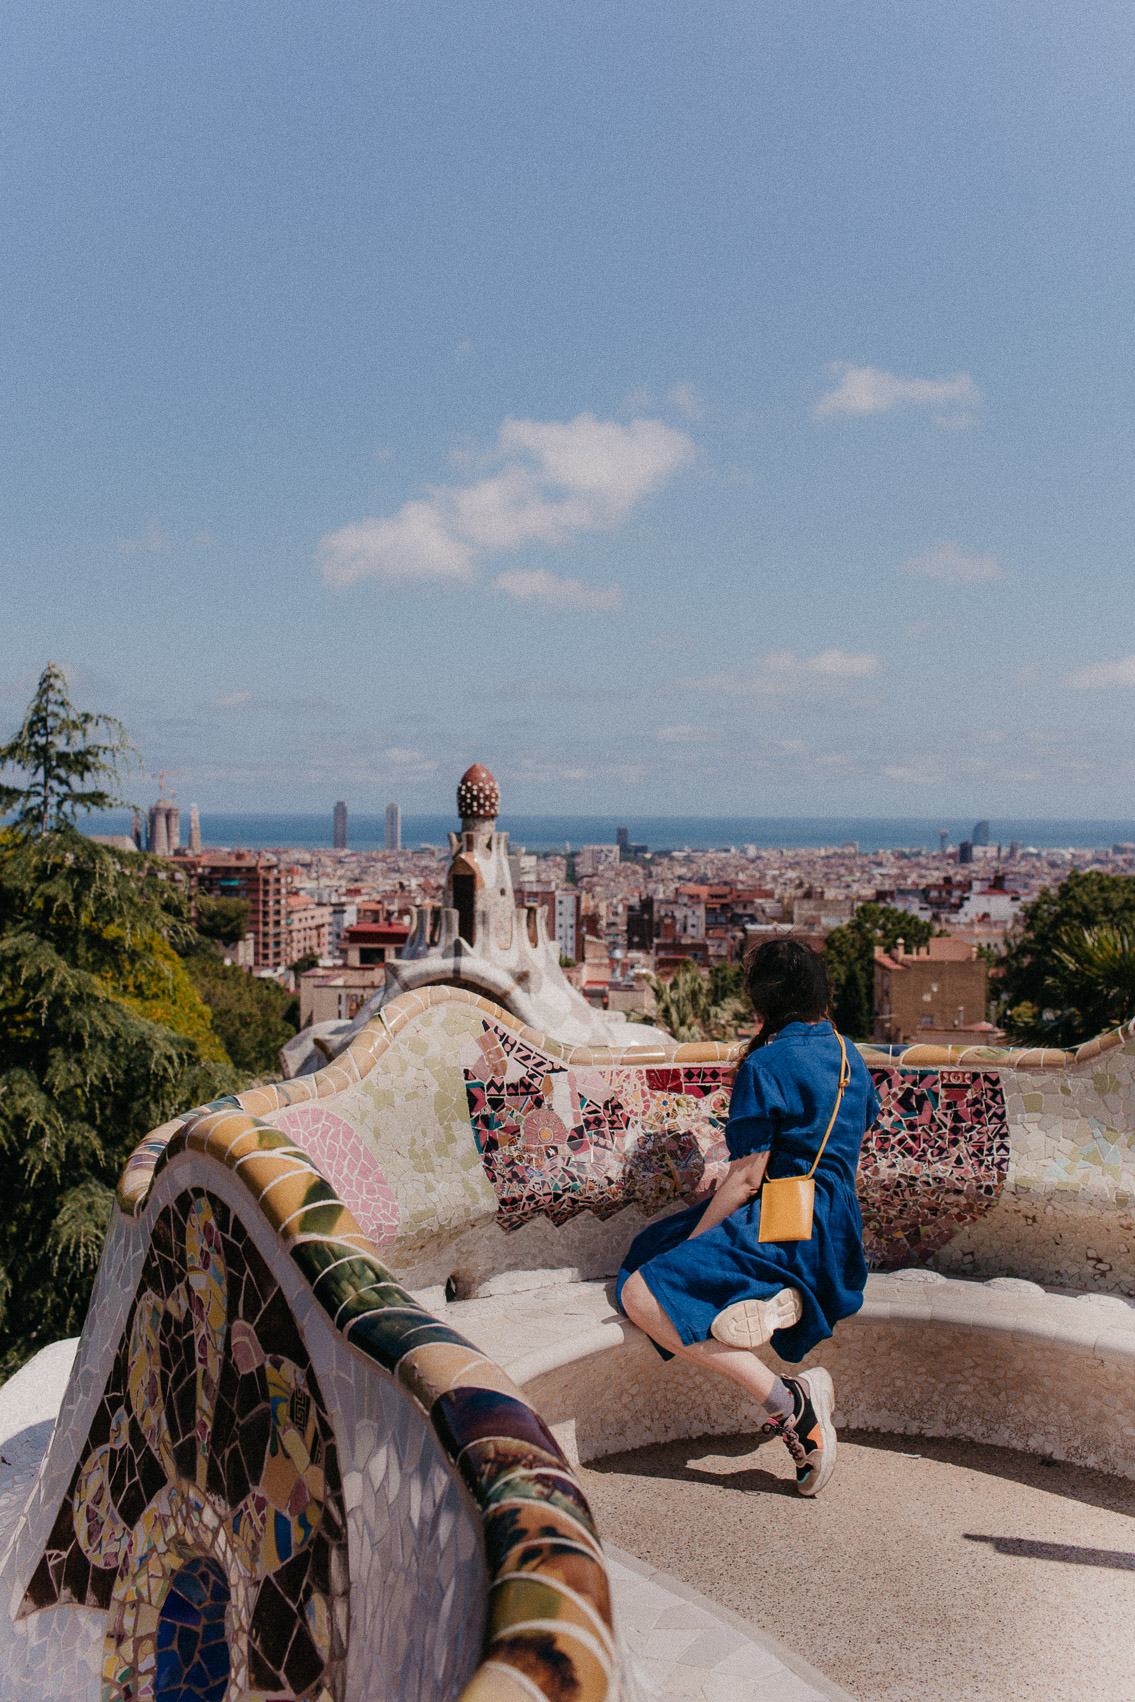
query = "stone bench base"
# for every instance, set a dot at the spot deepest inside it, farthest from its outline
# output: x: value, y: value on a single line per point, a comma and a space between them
x: 1002, y: 1362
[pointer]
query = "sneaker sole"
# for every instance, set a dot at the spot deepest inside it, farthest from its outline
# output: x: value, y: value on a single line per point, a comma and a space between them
x: 822, y: 1395
x: 750, y: 1323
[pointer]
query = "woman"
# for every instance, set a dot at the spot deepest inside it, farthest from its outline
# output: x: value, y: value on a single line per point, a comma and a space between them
x: 702, y: 1284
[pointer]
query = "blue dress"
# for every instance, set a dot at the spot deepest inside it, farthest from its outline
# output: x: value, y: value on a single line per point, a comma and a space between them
x: 781, y: 1102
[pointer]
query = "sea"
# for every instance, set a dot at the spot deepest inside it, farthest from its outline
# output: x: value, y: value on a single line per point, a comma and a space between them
x: 657, y: 833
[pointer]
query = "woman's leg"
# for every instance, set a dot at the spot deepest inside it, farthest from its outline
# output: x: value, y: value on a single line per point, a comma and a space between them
x: 738, y: 1364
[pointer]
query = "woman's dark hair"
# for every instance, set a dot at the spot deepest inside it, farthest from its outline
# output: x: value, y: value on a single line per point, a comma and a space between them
x: 787, y: 982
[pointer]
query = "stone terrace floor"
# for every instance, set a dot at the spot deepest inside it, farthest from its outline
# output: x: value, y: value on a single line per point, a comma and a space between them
x: 928, y: 1571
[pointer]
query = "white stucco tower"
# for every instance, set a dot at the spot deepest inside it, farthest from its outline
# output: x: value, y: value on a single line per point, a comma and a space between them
x: 480, y: 940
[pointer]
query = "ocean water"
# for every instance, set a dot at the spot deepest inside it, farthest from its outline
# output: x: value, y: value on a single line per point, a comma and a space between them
x: 659, y: 833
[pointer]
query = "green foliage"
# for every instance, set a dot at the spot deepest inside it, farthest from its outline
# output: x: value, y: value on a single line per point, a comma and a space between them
x: 851, y: 1006
x: 222, y: 919
x: 51, y: 748
x: 727, y: 981
x: 1067, y: 976
x: 253, y: 1017
x: 850, y: 955
x: 309, y: 960
x: 85, y: 935
x: 691, y: 1007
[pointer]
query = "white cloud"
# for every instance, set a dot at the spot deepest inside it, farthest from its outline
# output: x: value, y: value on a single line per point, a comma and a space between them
x: 537, y: 585
x: 683, y: 735
x: 923, y: 776
x: 685, y: 397
x: 1099, y: 675
x: 408, y: 547
x: 782, y: 672
x: 409, y: 761
x: 234, y: 700
x: 952, y: 564
x: 152, y: 542
x: 863, y: 390
x: 556, y: 479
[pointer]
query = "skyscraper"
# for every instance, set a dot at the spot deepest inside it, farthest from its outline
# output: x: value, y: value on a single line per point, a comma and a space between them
x: 981, y: 833
x: 943, y: 841
x: 622, y: 837
x: 393, y: 827
x: 194, y: 831
x: 339, y: 827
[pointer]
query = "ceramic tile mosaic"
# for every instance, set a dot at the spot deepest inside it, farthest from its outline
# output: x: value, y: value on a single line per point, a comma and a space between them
x: 935, y: 1160
x: 556, y: 1141
x: 209, y: 1487
x: 181, y: 1465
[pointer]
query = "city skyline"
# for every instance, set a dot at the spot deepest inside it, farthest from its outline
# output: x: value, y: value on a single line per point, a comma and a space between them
x: 742, y: 395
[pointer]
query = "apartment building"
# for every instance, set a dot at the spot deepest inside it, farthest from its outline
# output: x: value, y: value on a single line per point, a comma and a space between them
x: 932, y: 994
x: 257, y: 878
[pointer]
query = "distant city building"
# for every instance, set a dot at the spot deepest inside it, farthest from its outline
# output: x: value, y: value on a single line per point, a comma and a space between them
x: 943, y: 841
x: 261, y: 882
x: 569, y: 931
x: 393, y: 827
x: 965, y: 851
x: 640, y: 924
x: 522, y: 867
x: 981, y: 833
x: 622, y: 837
x: 589, y: 859
x: 307, y: 928
x: 194, y: 831
x: 164, y: 836
x: 339, y: 827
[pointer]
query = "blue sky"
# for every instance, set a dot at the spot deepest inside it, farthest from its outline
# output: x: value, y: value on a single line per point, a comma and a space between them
x: 715, y: 407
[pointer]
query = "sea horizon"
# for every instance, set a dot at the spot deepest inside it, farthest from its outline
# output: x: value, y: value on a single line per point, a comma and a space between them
x: 305, y: 831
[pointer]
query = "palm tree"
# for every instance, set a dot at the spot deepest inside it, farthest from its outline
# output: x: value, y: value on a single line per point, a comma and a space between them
x: 1092, y: 980
x: 684, y: 1006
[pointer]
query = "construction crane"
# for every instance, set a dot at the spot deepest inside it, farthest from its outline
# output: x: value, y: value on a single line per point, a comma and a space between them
x: 160, y: 777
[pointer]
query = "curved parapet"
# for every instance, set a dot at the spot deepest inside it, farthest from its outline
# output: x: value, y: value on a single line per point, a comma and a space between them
x: 276, y: 1474
x: 470, y: 1145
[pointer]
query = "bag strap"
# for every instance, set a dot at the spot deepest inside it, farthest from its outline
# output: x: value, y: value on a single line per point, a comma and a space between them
x: 844, y: 1078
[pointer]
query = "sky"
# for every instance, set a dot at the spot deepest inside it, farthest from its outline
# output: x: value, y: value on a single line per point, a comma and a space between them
x: 723, y: 408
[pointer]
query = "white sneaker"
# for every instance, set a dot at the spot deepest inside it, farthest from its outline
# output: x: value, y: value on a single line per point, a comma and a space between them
x: 750, y: 1323
x: 813, y: 1442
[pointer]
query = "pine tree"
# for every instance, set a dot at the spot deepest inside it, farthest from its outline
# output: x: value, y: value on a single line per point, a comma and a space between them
x: 102, y: 1035
x: 57, y: 750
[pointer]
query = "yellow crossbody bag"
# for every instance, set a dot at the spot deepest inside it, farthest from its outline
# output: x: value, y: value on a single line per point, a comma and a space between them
x: 787, y: 1201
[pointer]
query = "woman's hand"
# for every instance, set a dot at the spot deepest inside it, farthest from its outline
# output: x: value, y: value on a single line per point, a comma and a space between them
x: 736, y: 1188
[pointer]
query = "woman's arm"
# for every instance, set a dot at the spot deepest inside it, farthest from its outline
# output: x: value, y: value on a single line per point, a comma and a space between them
x: 740, y: 1182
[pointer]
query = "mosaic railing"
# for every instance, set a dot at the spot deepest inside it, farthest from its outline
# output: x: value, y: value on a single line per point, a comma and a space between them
x: 466, y: 1144
x: 207, y: 1509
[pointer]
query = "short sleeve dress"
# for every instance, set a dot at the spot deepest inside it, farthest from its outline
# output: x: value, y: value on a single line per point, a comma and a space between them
x: 781, y: 1102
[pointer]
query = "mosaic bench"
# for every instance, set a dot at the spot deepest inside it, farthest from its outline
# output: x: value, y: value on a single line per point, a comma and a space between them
x: 275, y: 1475
x: 468, y: 1145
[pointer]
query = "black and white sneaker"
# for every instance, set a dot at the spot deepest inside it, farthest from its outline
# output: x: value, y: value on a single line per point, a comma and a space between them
x: 750, y: 1323
x: 810, y: 1434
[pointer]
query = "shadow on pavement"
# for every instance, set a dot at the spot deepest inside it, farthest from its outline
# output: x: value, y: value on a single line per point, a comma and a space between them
x: 1025, y: 1549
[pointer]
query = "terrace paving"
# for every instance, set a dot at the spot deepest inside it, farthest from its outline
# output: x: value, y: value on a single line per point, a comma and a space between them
x: 928, y: 1571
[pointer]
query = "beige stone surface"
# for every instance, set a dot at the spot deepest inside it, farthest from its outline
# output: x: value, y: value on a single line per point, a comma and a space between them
x: 1002, y: 1362
x: 928, y: 1571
